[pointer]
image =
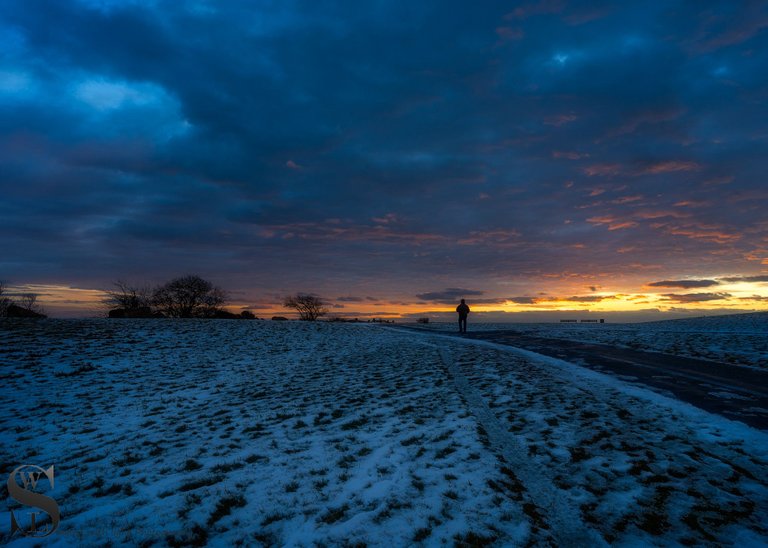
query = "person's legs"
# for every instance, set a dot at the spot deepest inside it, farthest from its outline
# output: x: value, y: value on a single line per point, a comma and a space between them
x: 462, y: 325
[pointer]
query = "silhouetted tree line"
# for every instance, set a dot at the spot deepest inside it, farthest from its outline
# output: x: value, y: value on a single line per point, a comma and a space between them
x: 22, y: 306
x: 184, y: 297
x: 193, y: 297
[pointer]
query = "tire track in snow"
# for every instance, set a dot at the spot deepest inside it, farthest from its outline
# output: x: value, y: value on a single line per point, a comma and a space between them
x: 711, y: 437
x: 601, y: 385
x: 566, y: 525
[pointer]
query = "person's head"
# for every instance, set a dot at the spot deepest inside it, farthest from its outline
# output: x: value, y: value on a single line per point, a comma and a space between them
x: 462, y: 301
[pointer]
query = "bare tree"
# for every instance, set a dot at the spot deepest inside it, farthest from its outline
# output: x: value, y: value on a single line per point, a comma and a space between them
x: 189, y: 297
x: 310, y: 307
x: 128, y: 297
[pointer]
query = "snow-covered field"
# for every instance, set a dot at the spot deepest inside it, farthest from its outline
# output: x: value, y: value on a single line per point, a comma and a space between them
x: 739, y: 339
x: 229, y: 433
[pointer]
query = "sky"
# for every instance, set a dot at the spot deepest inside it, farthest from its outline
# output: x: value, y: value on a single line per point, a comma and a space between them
x: 546, y: 159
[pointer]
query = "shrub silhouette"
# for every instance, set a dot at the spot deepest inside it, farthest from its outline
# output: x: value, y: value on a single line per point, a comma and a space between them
x: 25, y: 306
x: 4, y: 301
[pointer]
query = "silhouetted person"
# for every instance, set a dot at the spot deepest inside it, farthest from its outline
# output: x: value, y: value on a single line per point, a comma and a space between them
x: 463, y: 311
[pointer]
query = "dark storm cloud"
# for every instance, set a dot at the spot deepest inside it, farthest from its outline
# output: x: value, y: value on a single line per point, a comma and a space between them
x: 351, y: 299
x: 388, y: 141
x: 449, y: 294
x: 695, y: 297
x: 685, y: 284
x: 522, y: 300
x: 737, y: 279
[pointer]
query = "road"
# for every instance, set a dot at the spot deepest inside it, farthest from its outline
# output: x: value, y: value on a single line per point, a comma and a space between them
x: 735, y: 392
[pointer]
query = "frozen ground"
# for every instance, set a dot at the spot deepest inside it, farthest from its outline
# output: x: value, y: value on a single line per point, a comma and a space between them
x: 247, y: 433
x: 739, y: 339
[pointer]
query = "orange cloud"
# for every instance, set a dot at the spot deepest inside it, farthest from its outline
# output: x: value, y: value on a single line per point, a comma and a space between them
x: 612, y: 222
x: 707, y: 235
x: 613, y: 169
x: 660, y: 214
x: 497, y: 237
x: 646, y: 118
x: 626, y: 199
x: 670, y: 167
x: 602, y: 170
x: 691, y: 203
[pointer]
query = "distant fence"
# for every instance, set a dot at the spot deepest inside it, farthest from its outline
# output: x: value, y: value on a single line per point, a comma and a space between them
x: 583, y: 321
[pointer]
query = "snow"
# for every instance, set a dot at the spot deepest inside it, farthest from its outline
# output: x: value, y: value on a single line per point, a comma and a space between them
x: 738, y: 339
x: 290, y: 433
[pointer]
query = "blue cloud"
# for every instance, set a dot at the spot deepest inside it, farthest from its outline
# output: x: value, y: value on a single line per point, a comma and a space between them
x: 501, y: 145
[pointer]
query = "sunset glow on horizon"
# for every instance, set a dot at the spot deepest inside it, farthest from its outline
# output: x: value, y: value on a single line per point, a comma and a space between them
x: 730, y: 296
